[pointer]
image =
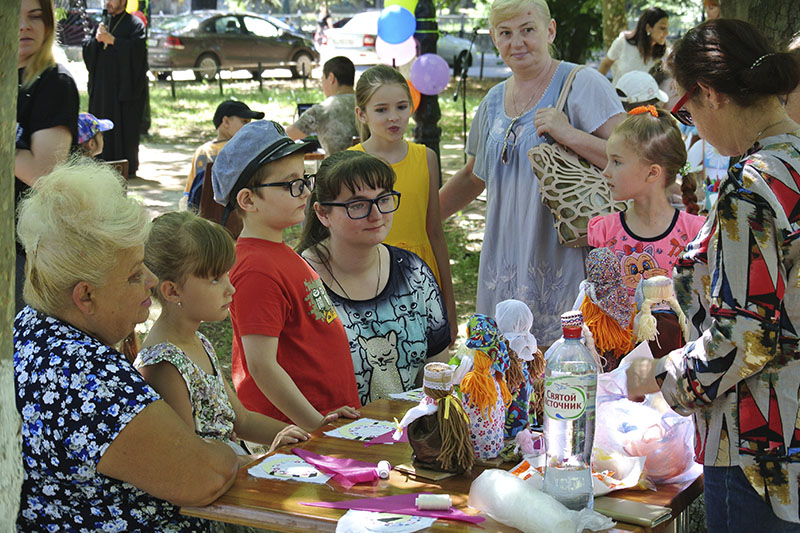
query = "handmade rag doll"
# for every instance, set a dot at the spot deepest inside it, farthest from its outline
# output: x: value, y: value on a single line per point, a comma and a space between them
x: 660, y: 320
x: 606, y: 307
x: 526, y: 362
x: 438, y: 428
x: 484, y: 388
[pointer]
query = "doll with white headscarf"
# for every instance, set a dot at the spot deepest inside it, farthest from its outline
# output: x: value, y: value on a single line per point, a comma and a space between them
x: 526, y: 362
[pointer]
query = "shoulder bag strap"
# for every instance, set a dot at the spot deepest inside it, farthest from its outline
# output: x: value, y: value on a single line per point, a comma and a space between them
x: 562, y: 97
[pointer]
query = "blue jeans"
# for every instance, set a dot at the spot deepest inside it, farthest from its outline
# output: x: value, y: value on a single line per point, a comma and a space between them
x: 732, y: 504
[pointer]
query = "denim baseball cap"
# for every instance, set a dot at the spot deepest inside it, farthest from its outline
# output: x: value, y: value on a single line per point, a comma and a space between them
x: 89, y: 126
x: 253, y: 146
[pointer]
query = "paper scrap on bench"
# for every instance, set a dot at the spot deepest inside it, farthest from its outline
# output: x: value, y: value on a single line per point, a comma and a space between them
x: 413, y: 395
x: 288, y: 468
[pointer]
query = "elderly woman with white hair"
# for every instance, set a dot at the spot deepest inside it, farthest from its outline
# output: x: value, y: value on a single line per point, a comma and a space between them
x: 101, y: 450
x: 521, y: 257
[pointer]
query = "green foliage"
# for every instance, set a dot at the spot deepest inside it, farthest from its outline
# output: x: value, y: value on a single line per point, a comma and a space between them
x: 579, y: 29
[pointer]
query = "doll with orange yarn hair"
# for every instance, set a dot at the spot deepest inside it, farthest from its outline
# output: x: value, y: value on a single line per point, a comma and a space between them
x: 645, y: 154
x: 606, y: 307
x: 484, y: 388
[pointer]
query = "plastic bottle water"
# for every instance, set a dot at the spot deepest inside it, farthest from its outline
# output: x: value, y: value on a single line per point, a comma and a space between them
x: 570, y: 389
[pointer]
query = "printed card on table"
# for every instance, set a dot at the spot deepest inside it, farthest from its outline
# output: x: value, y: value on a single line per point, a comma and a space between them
x: 288, y: 468
x: 363, y: 429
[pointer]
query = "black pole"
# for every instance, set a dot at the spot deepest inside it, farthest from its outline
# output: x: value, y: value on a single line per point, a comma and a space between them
x: 427, y: 115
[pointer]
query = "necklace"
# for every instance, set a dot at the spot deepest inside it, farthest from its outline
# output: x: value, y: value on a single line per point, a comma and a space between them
x: 545, y: 78
x: 377, y: 284
x: 760, y: 133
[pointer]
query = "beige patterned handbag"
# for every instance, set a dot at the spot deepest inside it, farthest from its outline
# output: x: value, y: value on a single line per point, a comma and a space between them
x: 573, y: 189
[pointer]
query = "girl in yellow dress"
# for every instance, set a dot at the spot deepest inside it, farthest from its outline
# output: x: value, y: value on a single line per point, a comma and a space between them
x: 383, y: 108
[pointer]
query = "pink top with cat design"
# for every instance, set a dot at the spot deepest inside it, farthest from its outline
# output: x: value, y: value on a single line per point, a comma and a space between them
x: 643, y: 257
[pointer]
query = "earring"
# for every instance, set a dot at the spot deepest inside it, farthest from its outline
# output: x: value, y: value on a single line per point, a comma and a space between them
x: 180, y: 304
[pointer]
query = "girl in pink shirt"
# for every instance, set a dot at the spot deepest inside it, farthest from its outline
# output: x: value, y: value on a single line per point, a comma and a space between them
x: 645, y: 153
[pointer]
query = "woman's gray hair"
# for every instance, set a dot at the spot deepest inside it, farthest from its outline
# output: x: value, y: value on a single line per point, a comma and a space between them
x: 503, y: 10
x: 73, y: 224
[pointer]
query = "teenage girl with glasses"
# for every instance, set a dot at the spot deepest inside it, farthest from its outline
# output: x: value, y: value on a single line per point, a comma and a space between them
x: 645, y: 154
x: 191, y: 257
x: 387, y: 297
x: 383, y: 108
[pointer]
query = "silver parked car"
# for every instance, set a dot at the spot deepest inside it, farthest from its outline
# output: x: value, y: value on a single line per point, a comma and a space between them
x: 355, y: 38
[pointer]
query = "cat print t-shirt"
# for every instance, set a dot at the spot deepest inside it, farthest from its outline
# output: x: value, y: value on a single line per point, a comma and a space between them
x: 392, y: 335
x: 643, y: 257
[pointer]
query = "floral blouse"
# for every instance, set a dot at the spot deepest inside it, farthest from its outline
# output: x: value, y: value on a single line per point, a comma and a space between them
x: 75, y: 396
x: 211, y: 409
x: 738, y: 285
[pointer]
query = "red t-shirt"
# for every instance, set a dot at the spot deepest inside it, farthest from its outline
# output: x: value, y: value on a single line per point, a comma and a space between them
x: 279, y: 295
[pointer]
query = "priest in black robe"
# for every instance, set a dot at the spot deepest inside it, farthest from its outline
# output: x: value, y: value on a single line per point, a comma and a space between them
x: 116, y: 59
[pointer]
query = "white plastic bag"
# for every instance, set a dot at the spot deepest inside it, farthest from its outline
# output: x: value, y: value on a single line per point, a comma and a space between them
x: 626, y: 430
x: 515, y: 503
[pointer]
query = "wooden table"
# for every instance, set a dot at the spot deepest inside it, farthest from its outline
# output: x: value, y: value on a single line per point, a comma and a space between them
x: 275, y: 504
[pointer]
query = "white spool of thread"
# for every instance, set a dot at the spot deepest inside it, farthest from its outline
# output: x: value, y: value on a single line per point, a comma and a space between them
x: 383, y: 469
x: 433, y: 502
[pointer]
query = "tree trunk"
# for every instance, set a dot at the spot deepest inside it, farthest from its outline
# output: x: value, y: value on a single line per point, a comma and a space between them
x: 777, y: 19
x: 10, y: 440
x: 615, y: 20
x: 427, y: 115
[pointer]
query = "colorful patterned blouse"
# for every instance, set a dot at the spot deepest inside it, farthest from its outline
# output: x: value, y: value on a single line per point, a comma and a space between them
x: 211, y: 409
x: 75, y: 396
x: 738, y: 284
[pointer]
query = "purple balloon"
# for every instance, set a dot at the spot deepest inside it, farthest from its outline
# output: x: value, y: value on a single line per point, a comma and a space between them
x: 430, y: 74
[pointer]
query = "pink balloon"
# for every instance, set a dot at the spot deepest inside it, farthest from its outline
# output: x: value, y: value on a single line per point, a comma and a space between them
x: 396, y: 54
x: 430, y: 74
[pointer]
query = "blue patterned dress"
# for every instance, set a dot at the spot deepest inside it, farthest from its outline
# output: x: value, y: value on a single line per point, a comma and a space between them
x: 75, y: 396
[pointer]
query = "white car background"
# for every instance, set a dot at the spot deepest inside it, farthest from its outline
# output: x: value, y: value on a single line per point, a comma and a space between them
x: 356, y: 41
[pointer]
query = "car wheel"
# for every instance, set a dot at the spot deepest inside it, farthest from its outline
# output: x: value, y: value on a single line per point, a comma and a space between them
x: 303, y: 65
x: 207, y: 66
x: 460, y: 58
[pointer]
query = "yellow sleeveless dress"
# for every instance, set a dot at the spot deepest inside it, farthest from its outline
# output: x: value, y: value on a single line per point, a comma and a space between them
x: 408, y: 226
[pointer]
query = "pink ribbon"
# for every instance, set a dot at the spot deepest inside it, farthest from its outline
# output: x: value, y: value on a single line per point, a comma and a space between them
x: 386, y: 438
x: 346, y: 472
x: 400, y: 504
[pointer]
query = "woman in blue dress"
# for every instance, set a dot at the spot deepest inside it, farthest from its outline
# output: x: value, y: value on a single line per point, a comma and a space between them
x: 521, y: 257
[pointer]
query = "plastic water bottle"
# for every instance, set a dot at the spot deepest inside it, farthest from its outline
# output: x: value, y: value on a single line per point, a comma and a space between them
x: 570, y: 389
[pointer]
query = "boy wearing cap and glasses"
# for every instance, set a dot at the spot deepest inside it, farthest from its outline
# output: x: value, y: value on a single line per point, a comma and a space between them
x: 90, y: 134
x: 291, y: 357
x: 229, y: 118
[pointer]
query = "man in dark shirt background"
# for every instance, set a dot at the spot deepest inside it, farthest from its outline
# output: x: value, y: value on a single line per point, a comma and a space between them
x: 116, y: 59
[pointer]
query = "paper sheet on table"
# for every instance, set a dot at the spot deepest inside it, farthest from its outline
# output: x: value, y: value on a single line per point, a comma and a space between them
x: 363, y: 429
x: 400, y: 504
x: 413, y: 395
x: 369, y: 522
x: 288, y: 468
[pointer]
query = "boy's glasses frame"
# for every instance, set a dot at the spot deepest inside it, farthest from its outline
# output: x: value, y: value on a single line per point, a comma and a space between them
x: 295, y: 186
x: 681, y: 114
x: 352, y: 205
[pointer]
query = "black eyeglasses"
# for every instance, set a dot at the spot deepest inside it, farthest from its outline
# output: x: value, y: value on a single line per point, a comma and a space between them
x: 509, y: 131
x: 356, y: 209
x: 295, y: 186
x: 681, y: 114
